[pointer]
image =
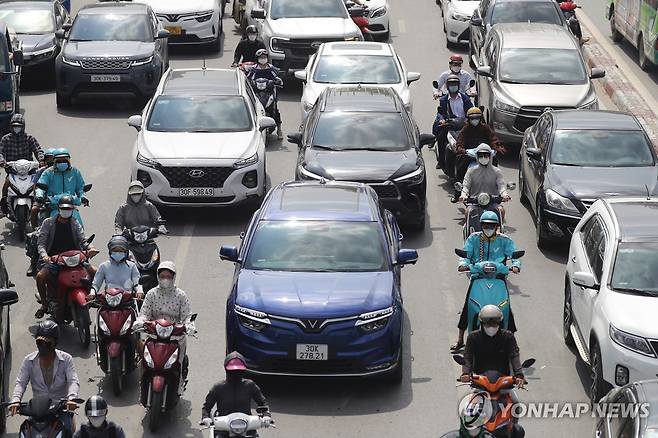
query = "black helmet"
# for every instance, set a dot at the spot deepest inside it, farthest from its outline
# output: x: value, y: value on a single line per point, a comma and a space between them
x: 96, y: 406
x: 453, y: 79
x: 17, y: 120
x: 251, y: 29
x: 47, y: 329
x: 65, y: 202
x: 118, y: 241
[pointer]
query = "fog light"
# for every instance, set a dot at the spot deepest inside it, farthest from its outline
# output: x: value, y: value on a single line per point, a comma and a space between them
x: 621, y: 375
x: 554, y: 229
x: 250, y: 179
x: 144, y: 178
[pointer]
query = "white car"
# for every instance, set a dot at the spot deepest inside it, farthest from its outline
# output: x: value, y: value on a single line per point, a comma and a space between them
x: 201, y: 140
x: 611, y: 292
x: 355, y: 62
x: 456, y: 20
x: 378, y: 17
x: 190, y: 22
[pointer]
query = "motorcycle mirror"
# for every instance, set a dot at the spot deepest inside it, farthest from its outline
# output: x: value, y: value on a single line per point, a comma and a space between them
x: 528, y: 363
x: 511, y: 186
x: 518, y: 254
x: 8, y: 297
x: 460, y: 252
x: 458, y: 186
x: 435, y: 84
x: 459, y: 359
x: 91, y: 238
x: 42, y: 186
x: 472, y: 83
x: 193, y: 318
x: 87, y: 187
x: 261, y: 409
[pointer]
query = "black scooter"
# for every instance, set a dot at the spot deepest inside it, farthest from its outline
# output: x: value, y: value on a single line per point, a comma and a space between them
x: 43, y: 418
x: 265, y: 90
x: 145, y: 253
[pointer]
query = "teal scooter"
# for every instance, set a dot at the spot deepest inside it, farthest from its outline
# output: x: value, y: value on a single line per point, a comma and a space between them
x: 488, y: 286
x: 49, y: 204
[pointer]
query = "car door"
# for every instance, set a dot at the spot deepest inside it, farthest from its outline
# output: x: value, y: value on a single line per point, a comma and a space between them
x: 479, y: 32
x: 160, y: 43
x: 394, y: 238
x: 633, y: 23
x: 621, y: 16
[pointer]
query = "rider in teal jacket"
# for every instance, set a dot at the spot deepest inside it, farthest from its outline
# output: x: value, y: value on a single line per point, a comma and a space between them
x: 62, y: 179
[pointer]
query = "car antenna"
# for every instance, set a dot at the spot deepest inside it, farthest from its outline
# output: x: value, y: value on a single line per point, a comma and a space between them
x: 648, y: 193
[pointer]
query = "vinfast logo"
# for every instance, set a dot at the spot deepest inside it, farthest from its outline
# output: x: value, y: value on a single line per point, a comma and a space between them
x: 312, y: 325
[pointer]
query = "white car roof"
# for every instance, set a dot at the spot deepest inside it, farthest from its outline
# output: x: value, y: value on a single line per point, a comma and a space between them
x: 356, y: 48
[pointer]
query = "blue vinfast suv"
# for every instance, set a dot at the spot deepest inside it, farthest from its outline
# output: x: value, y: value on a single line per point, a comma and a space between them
x: 316, y: 290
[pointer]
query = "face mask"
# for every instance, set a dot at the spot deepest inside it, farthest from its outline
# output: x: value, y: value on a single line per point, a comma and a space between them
x: 484, y: 160
x: 262, y: 60
x: 118, y: 256
x: 45, y: 348
x: 96, y: 422
x: 136, y: 198
x: 489, y: 232
x: 251, y: 37
x: 491, y: 331
x: 65, y: 213
x: 234, y: 376
x: 165, y: 283
x: 453, y: 89
x: 62, y: 166
x: 475, y: 122
x: 16, y: 129
x: 455, y: 69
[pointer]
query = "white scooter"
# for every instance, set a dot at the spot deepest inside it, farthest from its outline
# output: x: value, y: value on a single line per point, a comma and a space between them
x: 20, y: 195
x: 239, y: 424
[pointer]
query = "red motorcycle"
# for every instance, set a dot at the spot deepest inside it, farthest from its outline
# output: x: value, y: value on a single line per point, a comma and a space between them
x: 115, y: 341
x: 163, y: 379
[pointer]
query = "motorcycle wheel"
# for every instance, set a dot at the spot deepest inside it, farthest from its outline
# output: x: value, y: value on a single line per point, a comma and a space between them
x: 155, y: 411
x: 84, y: 323
x: 21, y: 222
x: 116, y: 375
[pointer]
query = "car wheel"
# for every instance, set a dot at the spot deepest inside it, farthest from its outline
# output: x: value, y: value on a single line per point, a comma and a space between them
x: 540, y: 231
x: 523, y: 197
x: 567, y: 315
x: 616, y: 36
x: 599, y: 387
x: 63, y: 101
x: 445, y: 29
x: 642, y: 56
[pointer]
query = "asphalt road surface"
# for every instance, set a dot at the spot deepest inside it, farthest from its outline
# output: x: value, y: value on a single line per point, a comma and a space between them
x: 425, y: 404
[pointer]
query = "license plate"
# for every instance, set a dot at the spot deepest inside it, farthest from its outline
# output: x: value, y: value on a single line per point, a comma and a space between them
x: 312, y: 352
x: 174, y: 30
x: 196, y: 191
x: 105, y: 78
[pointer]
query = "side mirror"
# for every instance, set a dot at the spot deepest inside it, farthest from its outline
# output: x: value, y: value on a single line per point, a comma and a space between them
x: 193, y: 317
x: 87, y: 187
x: 295, y: 138
x: 301, y: 75
x: 459, y: 359
x: 135, y: 122
x: 412, y: 76
x: 229, y: 253
x: 597, y: 73
x: 67, y: 26
x: 407, y: 257
x: 265, y: 123
x: 461, y: 253
x: 585, y: 280
x: 60, y: 34
x: 435, y: 84
x: 476, y: 21
x: 485, y: 71
x: 42, y: 186
x: 471, y: 84
x: 162, y: 34
x: 458, y: 186
x: 91, y: 238
x: 258, y: 14
x: 18, y: 57
x: 8, y: 297
x: 533, y: 153
x: 518, y: 254
x: 528, y: 363
x: 426, y: 139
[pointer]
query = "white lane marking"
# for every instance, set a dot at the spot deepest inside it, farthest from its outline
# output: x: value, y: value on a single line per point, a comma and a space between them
x: 183, y: 249
x: 402, y: 26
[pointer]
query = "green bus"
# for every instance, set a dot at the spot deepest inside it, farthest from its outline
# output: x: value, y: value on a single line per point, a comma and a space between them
x: 635, y: 21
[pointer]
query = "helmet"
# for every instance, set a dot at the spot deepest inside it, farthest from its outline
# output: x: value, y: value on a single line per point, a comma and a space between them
x: 489, y: 217
x: 49, y: 152
x: 453, y: 79
x: 62, y: 153
x: 251, y: 29
x: 47, y: 329
x: 490, y: 312
x: 474, y: 113
x: 136, y: 188
x: 17, y: 120
x: 235, y: 362
x: 96, y: 406
x: 456, y: 59
x: 65, y: 202
x: 261, y: 52
x: 483, y: 148
x: 118, y: 241
x: 167, y: 266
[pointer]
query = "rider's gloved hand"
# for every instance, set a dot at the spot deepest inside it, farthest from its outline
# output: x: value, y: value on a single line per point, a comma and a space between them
x: 13, y: 408
x: 436, y: 94
x: 465, y: 378
x: 207, y: 422
x: 463, y: 268
x: 516, y: 269
x: 507, y: 198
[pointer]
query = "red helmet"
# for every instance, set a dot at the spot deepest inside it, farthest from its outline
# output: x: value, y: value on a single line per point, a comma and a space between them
x: 456, y: 58
x: 235, y: 362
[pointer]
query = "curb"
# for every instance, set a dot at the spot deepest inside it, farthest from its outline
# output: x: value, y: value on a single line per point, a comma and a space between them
x: 618, y: 87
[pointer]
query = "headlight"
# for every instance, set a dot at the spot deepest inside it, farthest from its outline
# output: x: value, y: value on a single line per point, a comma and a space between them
x: 238, y: 426
x: 103, y: 326
x: 43, y: 52
x: 308, y: 175
x: 141, y: 237
x: 147, y: 357
x: 72, y: 261
x: 247, y: 161
x: 460, y: 17
x: 634, y: 343
x: 204, y: 16
x: 126, y: 325
x: 373, y: 321
x: 559, y: 202
x: 252, y: 319
x: 164, y: 332
x: 143, y: 61
x: 484, y: 199
x: 141, y: 159
x: 113, y: 300
x: 274, y: 44
x: 172, y: 360
x: 502, y: 106
x: 415, y: 177
x: 378, y: 12
x: 70, y: 61
x: 593, y: 105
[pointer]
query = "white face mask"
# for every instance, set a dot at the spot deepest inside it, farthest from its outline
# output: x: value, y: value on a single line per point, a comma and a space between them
x: 16, y: 129
x: 97, y: 422
x: 491, y: 331
x: 165, y: 283
x: 489, y: 232
x: 251, y: 37
x: 65, y: 213
x: 475, y: 122
x: 455, y: 69
x: 262, y: 60
x: 484, y: 160
x: 136, y: 198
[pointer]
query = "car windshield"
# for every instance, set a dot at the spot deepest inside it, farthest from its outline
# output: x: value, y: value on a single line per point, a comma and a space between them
x: 112, y: 27
x: 29, y: 21
x: 199, y: 114
x: 361, y: 130
x: 312, y: 8
x: 636, y: 267
x: 356, y: 69
x: 592, y: 148
x: 542, y: 66
x: 523, y: 12
x: 316, y: 246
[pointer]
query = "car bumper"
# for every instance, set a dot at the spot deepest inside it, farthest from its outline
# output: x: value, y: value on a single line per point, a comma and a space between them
x: 351, y: 352
x: 457, y: 31
x: 379, y: 25
x: 638, y: 366
x: 230, y: 186
x: 190, y: 31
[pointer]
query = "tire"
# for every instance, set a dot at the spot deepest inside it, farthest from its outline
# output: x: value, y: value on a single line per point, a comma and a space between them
x: 216, y: 45
x: 155, y: 411
x: 642, y: 60
x: 84, y: 324
x: 616, y: 36
x: 542, y: 240
x: 116, y: 376
x: 523, y: 197
x: 567, y: 315
x: 63, y: 101
x: 599, y: 387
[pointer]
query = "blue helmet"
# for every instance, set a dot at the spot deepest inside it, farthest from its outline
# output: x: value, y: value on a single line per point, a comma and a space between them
x: 50, y: 152
x: 62, y: 153
x: 489, y: 217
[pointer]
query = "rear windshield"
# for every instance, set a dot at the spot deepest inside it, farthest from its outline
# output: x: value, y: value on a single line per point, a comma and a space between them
x: 367, y: 130
x: 356, y: 69
x: 542, y: 66
x: 601, y: 149
x: 523, y: 12
x: 307, y: 8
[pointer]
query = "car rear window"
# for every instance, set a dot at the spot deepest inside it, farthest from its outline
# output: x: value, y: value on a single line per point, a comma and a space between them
x: 199, y: 114
x: 112, y: 27
x: 356, y: 69
x: 361, y: 131
x: 592, y: 148
x: 302, y: 9
x: 523, y: 12
x: 542, y: 66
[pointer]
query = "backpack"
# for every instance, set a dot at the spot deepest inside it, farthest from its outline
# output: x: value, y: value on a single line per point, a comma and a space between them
x: 111, y: 430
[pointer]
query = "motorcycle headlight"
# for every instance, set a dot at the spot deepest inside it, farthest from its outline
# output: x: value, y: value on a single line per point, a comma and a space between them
x: 172, y: 360
x: 72, y: 261
x: 506, y: 107
x: 126, y: 325
x: 373, y: 321
x: 484, y: 199
x: 415, y: 177
x: 261, y: 85
x: 73, y: 62
x: 634, y: 343
x: 559, y: 202
x: 246, y: 162
x: 113, y: 300
x: 460, y: 17
x: 141, y: 159
x: 103, y: 326
x: 141, y: 237
x: 147, y: 357
x: 164, y: 332
x: 143, y: 61
x: 378, y: 12
x: 238, y: 426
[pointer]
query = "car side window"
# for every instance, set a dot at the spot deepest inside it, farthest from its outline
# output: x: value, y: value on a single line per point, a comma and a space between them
x: 594, y: 241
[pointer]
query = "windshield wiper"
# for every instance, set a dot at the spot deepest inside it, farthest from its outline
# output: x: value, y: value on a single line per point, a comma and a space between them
x: 321, y: 146
x: 511, y: 81
x: 635, y: 291
x: 201, y: 130
x: 75, y: 41
x: 369, y: 149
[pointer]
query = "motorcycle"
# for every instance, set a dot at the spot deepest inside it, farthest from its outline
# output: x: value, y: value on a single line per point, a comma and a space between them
x: 238, y: 14
x: 568, y: 9
x: 265, y: 90
x: 359, y: 15
x: 20, y: 195
x: 69, y: 303
x: 49, y: 203
x: 115, y: 342
x: 145, y: 253
x: 488, y: 286
x: 43, y: 418
x: 499, y: 396
x: 239, y: 424
x: 163, y: 378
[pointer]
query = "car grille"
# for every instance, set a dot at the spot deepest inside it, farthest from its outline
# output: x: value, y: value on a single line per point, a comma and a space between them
x: 196, y: 176
x: 386, y: 190
x: 528, y: 115
x: 331, y: 366
x: 302, y: 47
x: 173, y: 18
x: 105, y: 64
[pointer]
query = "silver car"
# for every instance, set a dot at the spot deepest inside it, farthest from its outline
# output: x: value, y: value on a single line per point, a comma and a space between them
x: 524, y: 69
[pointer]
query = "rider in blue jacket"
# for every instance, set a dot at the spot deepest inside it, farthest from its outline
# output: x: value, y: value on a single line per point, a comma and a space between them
x: 486, y: 245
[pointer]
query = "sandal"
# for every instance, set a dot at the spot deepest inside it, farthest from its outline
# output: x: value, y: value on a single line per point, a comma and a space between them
x: 456, y: 347
x: 40, y: 313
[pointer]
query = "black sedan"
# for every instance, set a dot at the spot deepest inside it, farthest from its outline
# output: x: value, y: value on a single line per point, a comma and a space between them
x: 571, y: 158
x: 365, y: 134
x: 7, y: 298
x: 35, y: 24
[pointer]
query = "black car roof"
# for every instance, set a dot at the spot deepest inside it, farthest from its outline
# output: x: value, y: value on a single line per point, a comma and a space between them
x: 126, y: 8
x: 588, y: 119
x: 636, y: 219
x: 360, y: 98
x: 47, y: 5
x: 202, y: 82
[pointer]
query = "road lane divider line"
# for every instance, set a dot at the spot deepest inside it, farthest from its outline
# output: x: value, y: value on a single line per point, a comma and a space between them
x: 183, y: 249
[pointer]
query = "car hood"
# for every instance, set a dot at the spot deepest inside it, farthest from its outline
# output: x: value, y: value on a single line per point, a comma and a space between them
x: 361, y: 165
x: 315, y: 294
x: 465, y: 8
x: 634, y: 314
x: 317, y: 27
x: 567, y: 96
x: 596, y: 182
x: 100, y: 49
x: 181, y: 145
x: 32, y: 43
x: 312, y: 91
x: 179, y: 7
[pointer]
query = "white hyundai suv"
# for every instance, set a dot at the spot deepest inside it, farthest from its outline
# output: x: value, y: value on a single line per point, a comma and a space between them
x: 611, y: 292
x: 355, y: 62
x: 201, y: 140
